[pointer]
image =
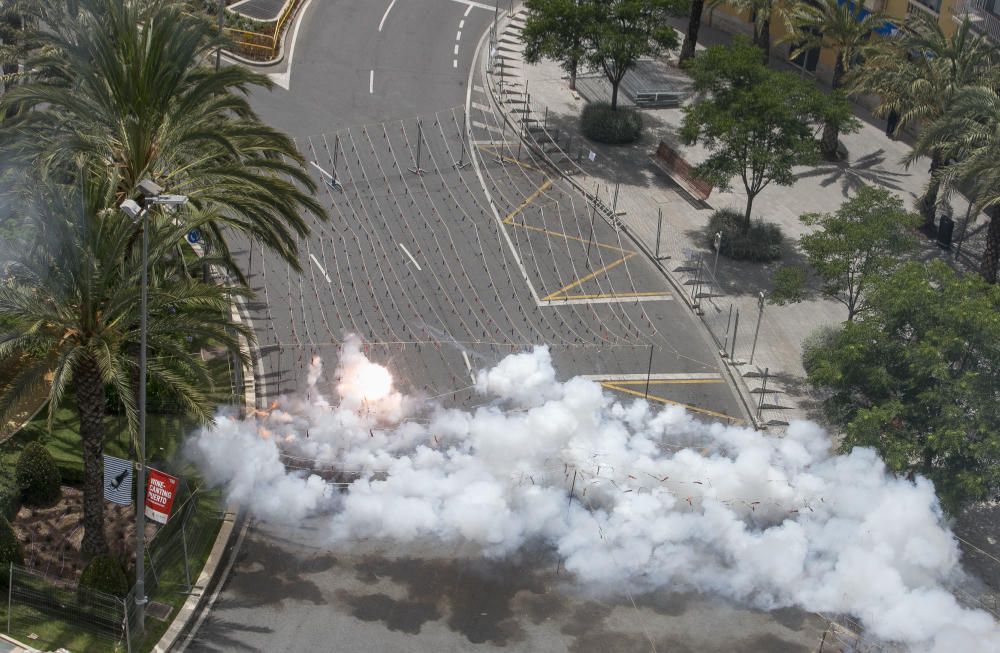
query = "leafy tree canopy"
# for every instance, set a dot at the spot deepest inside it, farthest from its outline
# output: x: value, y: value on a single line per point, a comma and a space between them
x: 917, y: 376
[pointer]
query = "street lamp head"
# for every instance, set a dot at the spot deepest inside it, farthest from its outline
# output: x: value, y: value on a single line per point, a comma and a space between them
x: 168, y: 200
x: 132, y: 209
x: 149, y: 189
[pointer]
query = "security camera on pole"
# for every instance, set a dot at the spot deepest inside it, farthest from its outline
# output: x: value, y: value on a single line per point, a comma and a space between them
x: 151, y: 195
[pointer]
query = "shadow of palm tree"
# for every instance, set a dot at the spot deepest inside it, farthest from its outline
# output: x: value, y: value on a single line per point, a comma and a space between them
x: 866, y: 170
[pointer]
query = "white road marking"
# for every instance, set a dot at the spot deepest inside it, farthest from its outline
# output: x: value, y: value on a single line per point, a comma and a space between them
x: 481, y: 107
x: 325, y: 275
x: 385, y: 15
x: 461, y: 24
x: 456, y: 49
x: 454, y: 62
x: 318, y: 167
x: 606, y: 300
x: 478, y: 89
x: 693, y: 376
x: 371, y: 81
x: 284, y: 80
x: 407, y: 252
x: 468, y: 366
x: 458, y: 35
x: 470, y: 4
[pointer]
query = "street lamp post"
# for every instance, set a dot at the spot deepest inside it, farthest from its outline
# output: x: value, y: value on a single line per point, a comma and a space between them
x: 151, y: 195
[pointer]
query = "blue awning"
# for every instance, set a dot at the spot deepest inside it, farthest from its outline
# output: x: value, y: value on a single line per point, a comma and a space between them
x: 886, y: 30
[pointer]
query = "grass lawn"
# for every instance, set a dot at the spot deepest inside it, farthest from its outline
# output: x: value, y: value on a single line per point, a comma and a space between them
x: 165, y: 434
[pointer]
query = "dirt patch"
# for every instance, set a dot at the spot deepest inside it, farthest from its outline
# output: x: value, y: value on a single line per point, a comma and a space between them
x: 51, y: 536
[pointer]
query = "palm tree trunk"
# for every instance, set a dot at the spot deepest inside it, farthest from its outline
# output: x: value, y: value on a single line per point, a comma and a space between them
x: 90, y: 406
x: 928, y: 205
x: 694, y: 25
x: 764, y: 42
x: 829, y: 144
x: 988, y: 265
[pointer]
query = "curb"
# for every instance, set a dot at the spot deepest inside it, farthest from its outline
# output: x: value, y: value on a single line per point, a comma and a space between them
x: 233, y: 515
x: 746, y: 400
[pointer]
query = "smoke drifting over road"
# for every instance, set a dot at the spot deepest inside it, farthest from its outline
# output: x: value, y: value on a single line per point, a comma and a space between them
x: 658, y: 498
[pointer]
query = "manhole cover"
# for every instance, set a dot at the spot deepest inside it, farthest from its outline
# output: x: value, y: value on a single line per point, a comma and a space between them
x: 158, y: 610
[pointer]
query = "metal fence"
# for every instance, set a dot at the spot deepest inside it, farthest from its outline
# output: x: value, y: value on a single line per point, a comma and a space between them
x: 35, y: 599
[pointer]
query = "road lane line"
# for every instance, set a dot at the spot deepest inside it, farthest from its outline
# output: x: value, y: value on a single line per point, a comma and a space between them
x: 461, y: 24
x: 407, y: 252
x: 325, y: 275
x: 456, y: 49
x: 371, y: 81
x: 454, y: 63
x: 468, y: 9
x: 284, y: 80
x: 458, y: 35
x: 385, y: 15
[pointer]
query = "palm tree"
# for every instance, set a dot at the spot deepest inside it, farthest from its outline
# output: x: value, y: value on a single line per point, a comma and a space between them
x: 918, y: 75
x: 969, y: 135
x: 123, y: 84
x: 761, y: 12
x: 70, y: 307
x: 844, y: 27
x: 694, y: 26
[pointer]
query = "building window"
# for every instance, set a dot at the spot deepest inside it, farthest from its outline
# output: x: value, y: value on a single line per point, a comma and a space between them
x: 932, y: 6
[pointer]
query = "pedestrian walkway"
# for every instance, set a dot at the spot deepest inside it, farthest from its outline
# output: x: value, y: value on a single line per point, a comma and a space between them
x: 761, y: 342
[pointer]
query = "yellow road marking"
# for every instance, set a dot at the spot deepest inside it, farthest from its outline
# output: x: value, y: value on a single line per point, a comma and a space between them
x: 590, y: 276
x: 560, y: 234
x: 528, y: 200
x: 663, y: 400
x: 502, y: 157
x: 665, y: 381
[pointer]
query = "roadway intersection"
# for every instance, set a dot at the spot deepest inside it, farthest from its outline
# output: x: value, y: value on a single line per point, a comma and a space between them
x: 449, y: 247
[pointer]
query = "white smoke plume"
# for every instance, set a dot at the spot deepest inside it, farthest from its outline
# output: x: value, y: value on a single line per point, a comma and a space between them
x: 658, y: 497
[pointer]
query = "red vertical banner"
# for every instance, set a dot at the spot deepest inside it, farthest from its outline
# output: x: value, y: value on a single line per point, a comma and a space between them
x: 160, y: 492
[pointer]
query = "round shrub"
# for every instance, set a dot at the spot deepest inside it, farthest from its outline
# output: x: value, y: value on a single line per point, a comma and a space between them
x: 599, y: 122
x: 816, y: 345
x: 38, y: 476
x: 10, y: 550
x: 761, y: 244
x: 105, y: 574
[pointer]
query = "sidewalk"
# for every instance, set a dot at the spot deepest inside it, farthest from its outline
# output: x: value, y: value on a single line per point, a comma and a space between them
x: 643, y: 190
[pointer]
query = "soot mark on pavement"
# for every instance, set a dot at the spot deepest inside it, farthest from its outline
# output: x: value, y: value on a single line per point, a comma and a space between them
x: 279, y: 578
x: 478, y: 598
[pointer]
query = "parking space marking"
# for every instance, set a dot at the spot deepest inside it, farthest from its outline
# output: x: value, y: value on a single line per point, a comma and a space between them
x: 407, y: 252
x: 619, y: 387
x: 316, y: 261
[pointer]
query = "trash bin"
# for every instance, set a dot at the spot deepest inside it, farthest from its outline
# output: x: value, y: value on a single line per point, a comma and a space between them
x: 945, y: 228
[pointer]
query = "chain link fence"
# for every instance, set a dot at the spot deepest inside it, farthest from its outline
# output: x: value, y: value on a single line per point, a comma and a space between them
x: 174, y: 556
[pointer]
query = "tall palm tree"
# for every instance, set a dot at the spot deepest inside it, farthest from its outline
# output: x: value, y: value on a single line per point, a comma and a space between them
x: 124, y: 84
x: 844, y: 27
x: 70, y: 307
x: 969, y: 135
x: 762, y: 12
x: 918, y: 75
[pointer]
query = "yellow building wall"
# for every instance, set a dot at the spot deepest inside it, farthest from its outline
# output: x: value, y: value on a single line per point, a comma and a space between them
x: 726, y: 18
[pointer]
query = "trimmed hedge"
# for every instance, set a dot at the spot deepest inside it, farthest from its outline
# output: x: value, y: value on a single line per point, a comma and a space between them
x: 105, y: 574
x: 761, y: 244
x: 599, y: 122
x: 10, y: 550
x: 38, y: 476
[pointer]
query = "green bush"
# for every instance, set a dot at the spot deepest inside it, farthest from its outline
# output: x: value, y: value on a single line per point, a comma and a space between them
x: 105, y: 574
x: 816, y: 344
x: 762, y: 243
x: 602, y: 124
x: 10, y: 550
x: 38, y: 476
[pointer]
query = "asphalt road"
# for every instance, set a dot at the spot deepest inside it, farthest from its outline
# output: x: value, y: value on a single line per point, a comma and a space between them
x: 443, y: 269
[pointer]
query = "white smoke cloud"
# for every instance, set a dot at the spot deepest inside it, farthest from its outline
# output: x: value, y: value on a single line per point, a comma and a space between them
x: 658, y: 497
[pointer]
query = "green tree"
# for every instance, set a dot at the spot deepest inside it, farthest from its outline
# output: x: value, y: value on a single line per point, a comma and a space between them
x: 755, y: 122
x: 840, y: 26
x: 918, y: 75
x: 73, y: 301
x: 916, y: 377
x: 860, y: 242
x: 554, y: 29
x: 969, y: 134
x: 124, y: 86
x: 620, y: 31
